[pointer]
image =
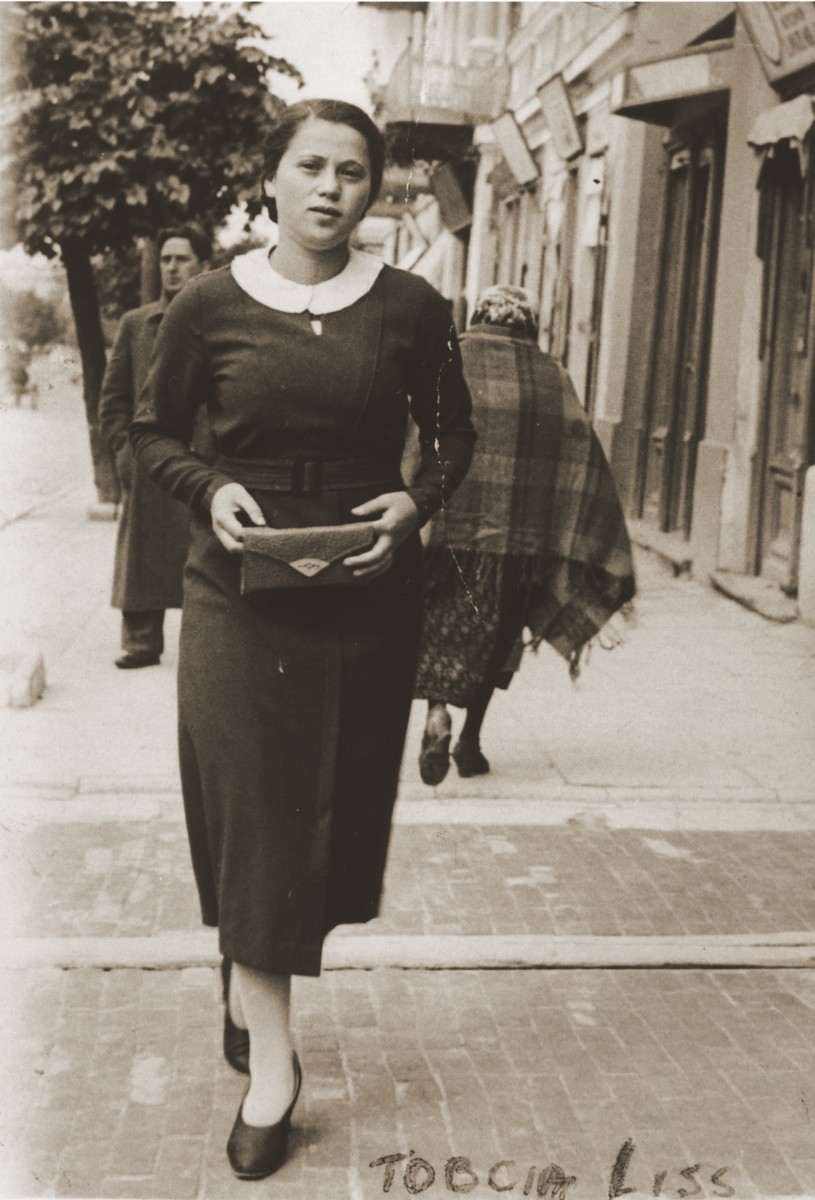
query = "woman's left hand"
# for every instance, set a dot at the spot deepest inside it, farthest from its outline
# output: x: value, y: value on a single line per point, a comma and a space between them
x: 397, y: 521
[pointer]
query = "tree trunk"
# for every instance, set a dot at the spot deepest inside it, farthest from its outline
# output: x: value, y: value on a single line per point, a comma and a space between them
x: 91, y: 342
x: 150, y: 272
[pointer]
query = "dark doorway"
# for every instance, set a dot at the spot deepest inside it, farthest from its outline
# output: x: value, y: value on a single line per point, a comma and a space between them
x: 787, y: 337
x: 680, y: 336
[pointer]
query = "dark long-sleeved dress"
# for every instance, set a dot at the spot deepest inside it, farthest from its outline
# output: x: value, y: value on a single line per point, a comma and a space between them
x: 293, y: 705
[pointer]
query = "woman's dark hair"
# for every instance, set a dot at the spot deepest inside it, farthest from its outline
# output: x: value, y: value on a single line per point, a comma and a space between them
x: 200, y: 244
x: 339, y: 112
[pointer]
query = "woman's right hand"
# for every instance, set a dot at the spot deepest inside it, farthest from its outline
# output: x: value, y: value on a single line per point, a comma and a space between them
x: 227, y: 502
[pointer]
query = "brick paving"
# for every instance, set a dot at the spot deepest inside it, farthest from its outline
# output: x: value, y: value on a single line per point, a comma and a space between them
x: 133, y: 878
x: 119, y: 1089
x: 112, y: 1083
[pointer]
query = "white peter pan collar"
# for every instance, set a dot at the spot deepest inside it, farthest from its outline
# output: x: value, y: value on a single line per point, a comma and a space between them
x: 255, y: 275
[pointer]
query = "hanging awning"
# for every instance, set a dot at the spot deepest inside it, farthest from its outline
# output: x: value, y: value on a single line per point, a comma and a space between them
x: 657, y: 91
x: 430, y: 261
x: 452, y: 185
x: 790, y: 122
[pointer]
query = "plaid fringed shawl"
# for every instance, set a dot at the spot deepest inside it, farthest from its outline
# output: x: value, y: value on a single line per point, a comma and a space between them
x: 539, y: 504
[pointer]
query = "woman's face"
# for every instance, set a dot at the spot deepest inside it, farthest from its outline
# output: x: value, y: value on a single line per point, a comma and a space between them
x: 322, y: 184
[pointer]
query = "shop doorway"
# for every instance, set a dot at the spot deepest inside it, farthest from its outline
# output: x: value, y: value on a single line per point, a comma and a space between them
x: 599, y: 245
x: 508, y: 244
x: 557, y: 331
x: 680, y: 335
x: 787, y: 336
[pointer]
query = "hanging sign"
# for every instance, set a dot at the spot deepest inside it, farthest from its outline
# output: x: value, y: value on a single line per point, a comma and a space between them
x: 512, y: 144
x: 782, y: 35
x: 556, y: 105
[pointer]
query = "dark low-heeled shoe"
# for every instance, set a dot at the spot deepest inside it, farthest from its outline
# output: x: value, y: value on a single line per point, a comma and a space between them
x: 434, y: 756
x: 133, y: 659
x: 469, y: 760
x: 236, y: 1045
x: 256, y: 1151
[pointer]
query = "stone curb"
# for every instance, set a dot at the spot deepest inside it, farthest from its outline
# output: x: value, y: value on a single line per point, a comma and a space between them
x: 23, y: 812
x: 360, y: 952
x: 502, y: 791
x: 22, y: 679
x: 757, y: 594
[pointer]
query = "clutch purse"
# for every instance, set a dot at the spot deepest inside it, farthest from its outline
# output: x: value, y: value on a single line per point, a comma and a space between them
x: 296, y: 558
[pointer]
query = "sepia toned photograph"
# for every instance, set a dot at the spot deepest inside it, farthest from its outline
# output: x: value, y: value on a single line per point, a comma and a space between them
x: 407, y: 599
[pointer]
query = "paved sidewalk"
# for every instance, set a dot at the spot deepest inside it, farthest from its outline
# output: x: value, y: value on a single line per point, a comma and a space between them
x: 119, y: 1089
x: 704, y: 697
x: 105, y: 877
x: 668, y: 795
x: 45, y: 451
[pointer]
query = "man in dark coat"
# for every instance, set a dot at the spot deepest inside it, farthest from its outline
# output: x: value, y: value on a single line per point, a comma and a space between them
x: 152, y: 541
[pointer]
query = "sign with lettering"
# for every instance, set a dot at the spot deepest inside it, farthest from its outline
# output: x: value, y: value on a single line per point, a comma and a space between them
x: 512, y: 145
x: 783, y: 35
x: 559, y: 115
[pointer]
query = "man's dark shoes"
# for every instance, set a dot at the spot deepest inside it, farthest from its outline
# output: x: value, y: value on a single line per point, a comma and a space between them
x: 236, y: 1045
x: 469, y: 759
x: 255, y: 1151
x: 434, y: 757
x: 137, y: 658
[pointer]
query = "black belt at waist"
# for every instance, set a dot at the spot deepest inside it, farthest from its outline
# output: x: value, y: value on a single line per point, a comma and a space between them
x: 309, y: 476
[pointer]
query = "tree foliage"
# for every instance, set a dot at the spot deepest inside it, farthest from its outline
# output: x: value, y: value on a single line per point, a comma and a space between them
x: 121, y: 118
x: 133, y: 116
x: 35, y: 321
x: 118, y: 285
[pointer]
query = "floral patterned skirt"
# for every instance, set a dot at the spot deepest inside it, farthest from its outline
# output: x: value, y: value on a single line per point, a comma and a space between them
x: 464, y: 624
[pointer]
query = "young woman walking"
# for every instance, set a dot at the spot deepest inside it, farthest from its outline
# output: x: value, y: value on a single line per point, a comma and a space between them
x: 293, y: 704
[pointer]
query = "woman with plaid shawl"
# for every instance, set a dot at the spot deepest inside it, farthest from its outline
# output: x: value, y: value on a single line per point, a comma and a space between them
x: 534, y: 538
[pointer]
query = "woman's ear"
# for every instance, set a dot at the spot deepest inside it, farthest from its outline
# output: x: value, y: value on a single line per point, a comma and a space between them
x: 268, y: 189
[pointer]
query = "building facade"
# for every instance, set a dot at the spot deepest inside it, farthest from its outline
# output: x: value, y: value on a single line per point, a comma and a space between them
x: 646, y: 170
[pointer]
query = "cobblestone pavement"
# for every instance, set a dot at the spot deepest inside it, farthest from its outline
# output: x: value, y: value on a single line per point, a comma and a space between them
x: 133, y: 878
x: 120, y: 1090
